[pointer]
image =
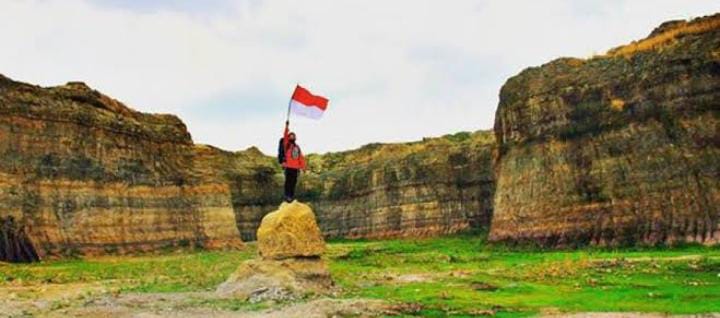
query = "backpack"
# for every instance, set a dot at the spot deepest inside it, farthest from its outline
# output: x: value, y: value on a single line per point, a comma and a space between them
x: 281, y: 151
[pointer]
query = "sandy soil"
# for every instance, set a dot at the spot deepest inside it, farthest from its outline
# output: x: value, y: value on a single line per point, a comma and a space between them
x: 95, y: 301
x: 91, y: 300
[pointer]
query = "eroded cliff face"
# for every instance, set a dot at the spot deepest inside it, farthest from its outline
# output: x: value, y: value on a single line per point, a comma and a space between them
x: 618, y: 149
x: 83, y: 174
x: 435, y: 186
x: 251, y: 184
x: 431, y: 187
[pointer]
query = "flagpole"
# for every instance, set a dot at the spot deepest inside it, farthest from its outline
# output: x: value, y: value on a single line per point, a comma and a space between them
x: 287, y: 118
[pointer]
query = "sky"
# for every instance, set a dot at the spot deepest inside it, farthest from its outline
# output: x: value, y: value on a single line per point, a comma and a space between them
x: 396, y: 70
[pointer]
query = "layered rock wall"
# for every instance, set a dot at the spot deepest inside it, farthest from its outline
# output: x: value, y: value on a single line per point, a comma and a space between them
x: 431, y: 187
x: 620, y: 149
x: 435, y: 186
x: 617, y: 149
x: 83, y: 174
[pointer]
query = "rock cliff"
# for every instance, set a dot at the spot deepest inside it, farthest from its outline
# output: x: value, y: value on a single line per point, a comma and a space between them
x: 431, y: 187
x: 81, y: 173
x: 618, y: 149
x: 435, y: 186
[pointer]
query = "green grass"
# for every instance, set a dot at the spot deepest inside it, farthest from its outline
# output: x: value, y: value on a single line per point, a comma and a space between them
x: 682, y: 280
x: 458, y: 275
x: 171, y: 272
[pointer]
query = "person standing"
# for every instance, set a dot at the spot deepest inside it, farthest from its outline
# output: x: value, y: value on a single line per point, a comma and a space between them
x: 292, y: 160
x: 302, y: 103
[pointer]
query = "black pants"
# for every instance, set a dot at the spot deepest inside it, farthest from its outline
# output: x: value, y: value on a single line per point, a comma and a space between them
x: 291, y: 176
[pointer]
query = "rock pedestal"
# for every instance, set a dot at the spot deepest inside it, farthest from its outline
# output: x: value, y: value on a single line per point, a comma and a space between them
x: 290, y: 232
x: 289, y: 263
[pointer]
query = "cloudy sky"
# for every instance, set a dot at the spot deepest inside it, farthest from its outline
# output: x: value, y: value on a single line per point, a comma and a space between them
x: 393, y: 70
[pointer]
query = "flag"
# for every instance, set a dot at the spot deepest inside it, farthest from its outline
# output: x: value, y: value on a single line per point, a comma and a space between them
x: 306, y: 104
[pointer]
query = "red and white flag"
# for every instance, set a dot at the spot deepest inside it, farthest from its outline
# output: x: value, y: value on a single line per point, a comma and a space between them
x: 306, y: 104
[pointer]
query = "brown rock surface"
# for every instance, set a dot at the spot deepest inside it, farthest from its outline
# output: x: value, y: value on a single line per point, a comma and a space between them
x: 267, y: 279
x: 80, y: 173
x: 289, y: 265
x: 436, y: 186
x: 617, y: 149
x: 291, y: 231
x: 620, y: 149
x: 431, y: 187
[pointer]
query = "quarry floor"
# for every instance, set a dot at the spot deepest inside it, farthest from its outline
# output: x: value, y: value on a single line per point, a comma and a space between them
x: 459, y: 276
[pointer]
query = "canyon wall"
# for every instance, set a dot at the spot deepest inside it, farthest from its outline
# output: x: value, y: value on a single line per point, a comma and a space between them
x: 80, y: 173
x: 436, y: 186
x: 83, y: 174
x: 619, y: 149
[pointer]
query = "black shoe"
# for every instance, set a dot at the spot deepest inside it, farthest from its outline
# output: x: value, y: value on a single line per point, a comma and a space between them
x: 288, y: 199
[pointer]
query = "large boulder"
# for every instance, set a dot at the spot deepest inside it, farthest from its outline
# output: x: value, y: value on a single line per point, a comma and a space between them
x: 289, y: 265
x: 289, y: 232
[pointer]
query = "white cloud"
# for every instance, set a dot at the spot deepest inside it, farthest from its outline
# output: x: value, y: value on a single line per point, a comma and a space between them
x: 396, y: 70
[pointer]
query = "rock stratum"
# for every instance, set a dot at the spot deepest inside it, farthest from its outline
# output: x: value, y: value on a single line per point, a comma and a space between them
x: 83, y: 174
x: 436, y: 186
x: 619, y: 149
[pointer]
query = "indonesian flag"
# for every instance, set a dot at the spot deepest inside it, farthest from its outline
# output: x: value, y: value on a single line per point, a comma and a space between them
x: 306, y: 104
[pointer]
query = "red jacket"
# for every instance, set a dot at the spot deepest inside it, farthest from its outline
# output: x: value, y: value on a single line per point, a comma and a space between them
x: 293, y: 155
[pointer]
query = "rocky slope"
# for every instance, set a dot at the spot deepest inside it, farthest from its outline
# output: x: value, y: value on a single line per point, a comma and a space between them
x: 614, y: 150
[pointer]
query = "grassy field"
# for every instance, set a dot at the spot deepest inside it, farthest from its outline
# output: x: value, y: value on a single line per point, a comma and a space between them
x: 458, y: 275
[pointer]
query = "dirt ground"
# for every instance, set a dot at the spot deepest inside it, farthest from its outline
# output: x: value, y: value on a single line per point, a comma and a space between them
x: 95, y: 301
x: 88, y: 300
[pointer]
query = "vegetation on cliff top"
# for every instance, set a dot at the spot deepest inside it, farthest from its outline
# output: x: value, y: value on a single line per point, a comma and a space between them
x: 384, y: 152
x: 668, y: 33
